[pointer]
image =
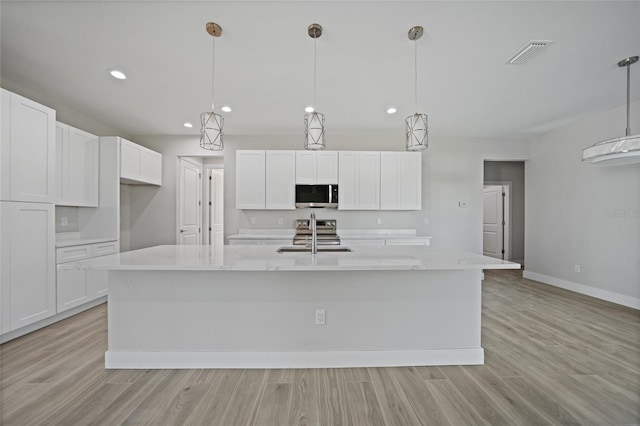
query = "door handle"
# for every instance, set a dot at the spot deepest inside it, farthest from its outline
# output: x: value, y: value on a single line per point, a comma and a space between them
x: 181, y: 231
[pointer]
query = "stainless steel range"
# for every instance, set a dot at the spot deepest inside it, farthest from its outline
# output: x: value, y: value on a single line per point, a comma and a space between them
x: 325, y: 230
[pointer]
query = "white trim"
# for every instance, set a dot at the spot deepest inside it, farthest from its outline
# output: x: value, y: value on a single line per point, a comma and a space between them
x: 51, y: 320
x: 324, y: 359
x: 609, y: 296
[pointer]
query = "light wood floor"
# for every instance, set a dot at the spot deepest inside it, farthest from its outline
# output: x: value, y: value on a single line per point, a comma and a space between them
x: 552, y: 357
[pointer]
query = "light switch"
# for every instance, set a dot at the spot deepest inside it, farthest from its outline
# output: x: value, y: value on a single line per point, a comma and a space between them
x: 253, y: 220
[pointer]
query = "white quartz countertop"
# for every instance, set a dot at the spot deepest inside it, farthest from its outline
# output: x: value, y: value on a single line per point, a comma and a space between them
x: 81, y: 241
x: 265, y: 258
x: 352, y: 234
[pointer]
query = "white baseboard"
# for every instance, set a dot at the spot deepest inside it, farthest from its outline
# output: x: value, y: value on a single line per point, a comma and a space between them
x: 320, y: 359
x: 48, y: 321
x: 609, y: 296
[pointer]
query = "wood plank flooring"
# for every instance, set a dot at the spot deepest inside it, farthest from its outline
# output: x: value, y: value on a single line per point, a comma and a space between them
x: 552, y: 357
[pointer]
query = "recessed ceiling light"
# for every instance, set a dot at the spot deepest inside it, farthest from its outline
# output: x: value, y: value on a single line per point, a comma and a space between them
x: 391, y: 110
x: 226, y: 108
x: 309, y: 109
x: 117, y: 74
x: 188, y: 125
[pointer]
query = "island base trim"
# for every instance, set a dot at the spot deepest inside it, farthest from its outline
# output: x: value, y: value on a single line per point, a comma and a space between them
x: 276, y: 360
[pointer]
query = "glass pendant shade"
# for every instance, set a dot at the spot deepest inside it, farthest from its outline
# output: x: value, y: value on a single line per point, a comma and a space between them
x: 614, y: 152
x: 417, y: 131
x: 211, y: 131
x: 624, y: 149
x: 314, y: 131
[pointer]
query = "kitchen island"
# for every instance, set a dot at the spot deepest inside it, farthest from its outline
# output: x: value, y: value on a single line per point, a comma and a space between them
x: 251, y: 307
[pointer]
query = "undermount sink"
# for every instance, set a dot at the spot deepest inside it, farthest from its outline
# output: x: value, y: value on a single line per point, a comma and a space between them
x: 302, y: 249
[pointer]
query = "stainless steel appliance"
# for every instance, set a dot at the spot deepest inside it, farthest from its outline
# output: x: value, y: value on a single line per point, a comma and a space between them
x: 325, y: 232
x: 317, y: 196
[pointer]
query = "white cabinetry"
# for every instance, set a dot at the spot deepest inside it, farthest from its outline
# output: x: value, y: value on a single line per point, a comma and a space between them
x: 265, y: 180
x: 78, y: 286
x: 359, y: 180
x: 27, y: 150
x: 250, y: 179
x: 139, y: 165
x: 400, y: 181
x: 316, y: 167
x: 27, y: 273
x: 77, y: 167
x: 280, y: 175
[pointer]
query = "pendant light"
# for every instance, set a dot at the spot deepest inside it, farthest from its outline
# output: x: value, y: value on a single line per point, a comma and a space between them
x: 314, y: 120
x: 622, y: 150
x: 416, y: 125
x: 211, y: 123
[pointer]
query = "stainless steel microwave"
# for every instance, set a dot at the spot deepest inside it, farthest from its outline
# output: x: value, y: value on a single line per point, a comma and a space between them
x: 317, y: 196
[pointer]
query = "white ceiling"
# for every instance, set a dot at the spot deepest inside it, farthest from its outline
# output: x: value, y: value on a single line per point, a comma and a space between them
x: 264, y: 63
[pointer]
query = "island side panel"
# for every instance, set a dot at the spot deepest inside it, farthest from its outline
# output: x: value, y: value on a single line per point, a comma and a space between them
x: 412, y: 317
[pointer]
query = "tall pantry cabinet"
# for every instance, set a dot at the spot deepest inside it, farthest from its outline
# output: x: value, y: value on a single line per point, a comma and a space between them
x: 27, y: 214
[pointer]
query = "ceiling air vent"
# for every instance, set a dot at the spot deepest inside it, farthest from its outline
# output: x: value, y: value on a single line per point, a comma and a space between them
x: 528, y: 51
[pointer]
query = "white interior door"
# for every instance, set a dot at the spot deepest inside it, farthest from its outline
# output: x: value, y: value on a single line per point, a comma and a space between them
x: 493, y: 222
x: 216, y: 209
x: 189, y: 202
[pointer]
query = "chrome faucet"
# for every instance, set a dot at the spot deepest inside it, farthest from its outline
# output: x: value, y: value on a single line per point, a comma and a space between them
x: 314, y: 234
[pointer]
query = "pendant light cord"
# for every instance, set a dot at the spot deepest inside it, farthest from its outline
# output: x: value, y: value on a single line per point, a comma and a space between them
x: 213, y: 69
x: 315, y: 55
x: 628, y: 130
x: 415, y: 69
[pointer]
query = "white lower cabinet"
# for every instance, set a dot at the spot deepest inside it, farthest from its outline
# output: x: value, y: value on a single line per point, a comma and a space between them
x: 75, y: 286
x: 27, y: 260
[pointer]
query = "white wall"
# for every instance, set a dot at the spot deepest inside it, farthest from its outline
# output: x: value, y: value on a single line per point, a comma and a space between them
x: 452, y: 172
x: 577, y: 213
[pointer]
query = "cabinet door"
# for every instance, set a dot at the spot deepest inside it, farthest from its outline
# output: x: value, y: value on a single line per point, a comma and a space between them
x: 280, y: 180
x: 348, y: 180
x: 71, y: 289
x: 28, y: 150
x: 389, y: 196
x: 62, y: 134
x: 410, y: 180
x: 326, y: 167
x: 28, y: 263
x: 368, y: 181
x: 250, y: 179
x: 97, y: 283
x: 82, y: 169
x: 130, y: 160
x: 151, y: 166
x: 305, y: 167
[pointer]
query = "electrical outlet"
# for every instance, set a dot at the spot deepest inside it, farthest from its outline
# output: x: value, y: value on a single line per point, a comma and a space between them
x: 64, y: 221
x: 577, y: 268
x: 425, y: 220
x: 253, y: 220
x: 320, y: 317
x: 378, y: 221
x: 280, y: 221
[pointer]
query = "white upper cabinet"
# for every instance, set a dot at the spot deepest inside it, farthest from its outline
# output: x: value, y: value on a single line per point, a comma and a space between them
x: 316, y: 167
x: 359, y: 180
x: 77, y: 167
x: 27, y: 264
x: 400, y: 181
x: 265, y: 180
x: 27, y: 150
x: 250, y: 179
x: 139, y: 165
x: 280, y: 180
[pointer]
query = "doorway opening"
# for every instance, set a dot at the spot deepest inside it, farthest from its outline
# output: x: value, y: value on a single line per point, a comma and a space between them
x: 200, y: 201
x: 503, y: 210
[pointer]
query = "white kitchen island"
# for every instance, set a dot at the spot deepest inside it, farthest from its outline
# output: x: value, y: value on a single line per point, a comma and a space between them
x: 250, y: 307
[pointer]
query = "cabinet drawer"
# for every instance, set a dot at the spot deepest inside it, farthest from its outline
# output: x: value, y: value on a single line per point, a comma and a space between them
x: 103, y: 249
x: 70, y: 254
